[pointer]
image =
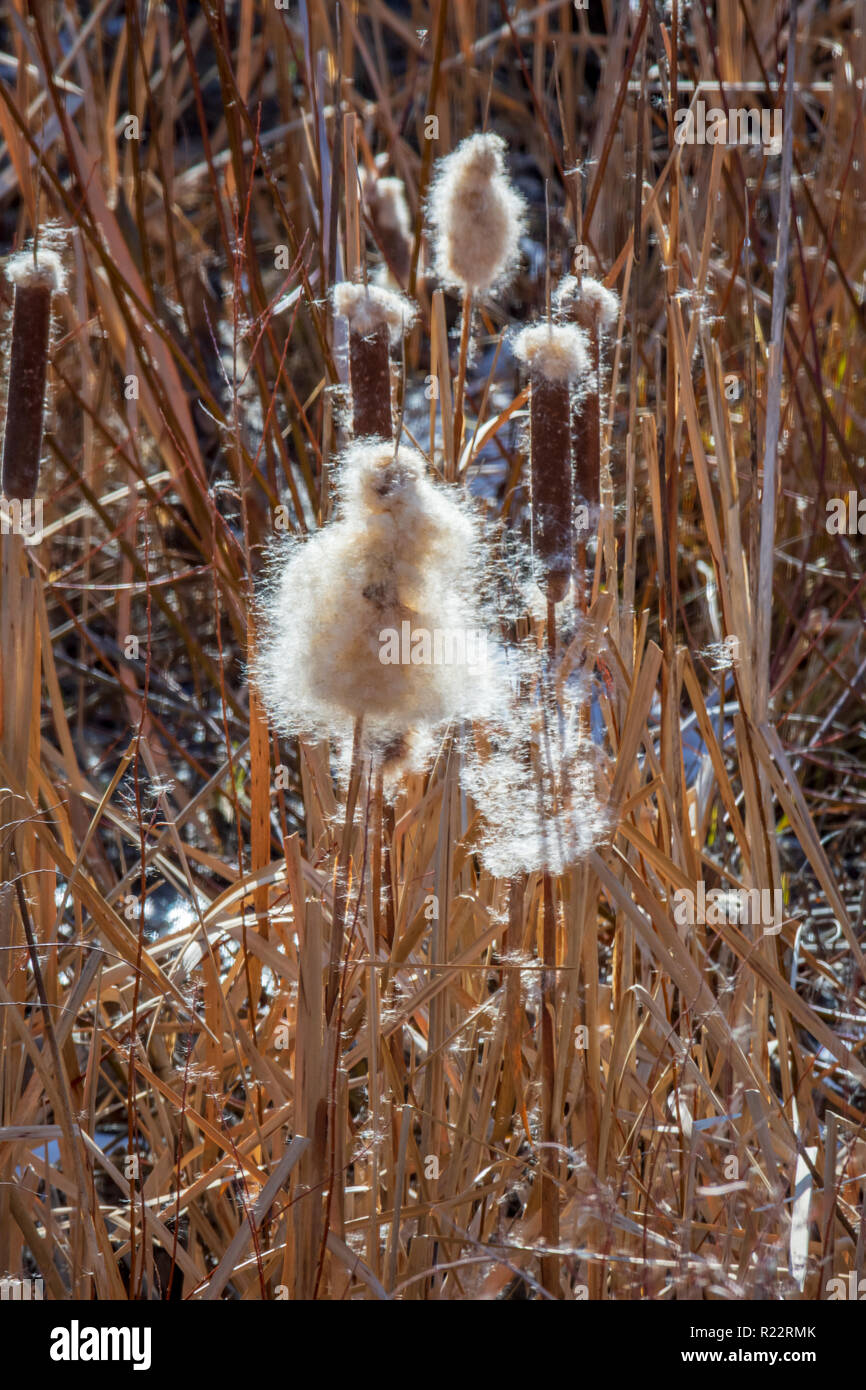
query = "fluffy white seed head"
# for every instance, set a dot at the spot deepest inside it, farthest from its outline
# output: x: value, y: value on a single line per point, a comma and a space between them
x: 476, y: 215
x: 589, y: 302
x: 44, y: 270
x: 367, y: 307
x: 557, y: 352
x: 402, y: 550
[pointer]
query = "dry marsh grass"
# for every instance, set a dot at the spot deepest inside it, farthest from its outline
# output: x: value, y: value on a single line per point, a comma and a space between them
x: 410, y: 1010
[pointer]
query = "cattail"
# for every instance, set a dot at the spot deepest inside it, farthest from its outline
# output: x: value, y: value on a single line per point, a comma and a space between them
x: 377, y: 319
x: 345, y: 613
x: 588, y: 303
x: 476, y: 217
x: 556, y: 357
x: 388, y: 211
x: 558, y: 364
x: 35, y: 280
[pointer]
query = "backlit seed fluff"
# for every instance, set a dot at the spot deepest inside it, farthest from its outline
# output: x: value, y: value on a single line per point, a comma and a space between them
x: 368, y: 307
x: 557, y: 352
x: 402, y: 550
x: 476, y: 216
x: 45, y: 271
x: 531, y: 777
x: 587, y: 302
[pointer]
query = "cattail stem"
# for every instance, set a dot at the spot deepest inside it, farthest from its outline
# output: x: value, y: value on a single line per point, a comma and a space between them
x: 378, y: 855
x: 549, y: 1202
x: 550, y: 463
x: 586, y: 432
x: 551, y: 627
x: 20, y: 661
x: 461, y: 372
x: 588, y: 302
x: 512, y: 944
x: 580, y: 577
x: 22, y: 442
x: 389, y: 821
x: 370, y: 374
x: 341, y: 875
x: 587, y: 435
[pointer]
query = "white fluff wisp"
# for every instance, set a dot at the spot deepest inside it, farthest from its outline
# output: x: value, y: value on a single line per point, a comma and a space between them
x: 533, y: 778
x: 399, y: 561
x: 587, y: 302
x: 476, y: 215
x: 368, y: 307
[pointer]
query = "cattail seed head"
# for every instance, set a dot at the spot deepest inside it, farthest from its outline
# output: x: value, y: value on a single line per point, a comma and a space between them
x: 595, y: 308
x: 558, y: 365
x: 401, y: 551
x: 476, y: 216
x: 35, y: 280
x: 388, y: 211
x: 368, y: 307
x: 377, y: 319
x: 587, y: 302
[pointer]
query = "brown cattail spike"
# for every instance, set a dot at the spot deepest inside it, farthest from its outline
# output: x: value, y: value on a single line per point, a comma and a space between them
x: 370, y: 375
x: 35, y: 282
x: 377, y: 319
x: 594, y: 307
x: 388, y: 211
x: 558, y: 363
x: 552, y: 523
